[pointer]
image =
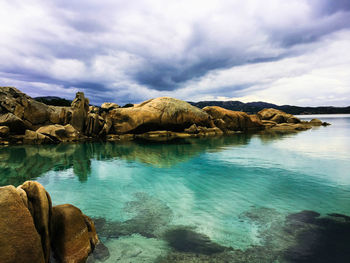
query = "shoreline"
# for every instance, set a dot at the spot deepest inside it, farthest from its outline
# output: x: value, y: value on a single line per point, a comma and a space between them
x: 24, y: 120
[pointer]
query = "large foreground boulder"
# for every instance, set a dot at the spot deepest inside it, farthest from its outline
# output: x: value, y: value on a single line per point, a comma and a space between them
x: 73, y: 234
x: 158, y: 114
x: 30, y: 228
x: 228, y: 120
x: 19, y: 239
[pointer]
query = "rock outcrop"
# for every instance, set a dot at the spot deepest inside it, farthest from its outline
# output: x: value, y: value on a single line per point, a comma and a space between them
x: 279, y: 121
x: 24, y: 120
x: 30, y: 228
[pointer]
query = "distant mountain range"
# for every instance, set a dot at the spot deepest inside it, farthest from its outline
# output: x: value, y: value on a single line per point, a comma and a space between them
x: 254, y: 107
x: 53, y: 100
x: 250, y: 107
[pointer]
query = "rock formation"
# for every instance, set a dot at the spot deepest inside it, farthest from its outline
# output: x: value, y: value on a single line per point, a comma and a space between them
x: 24, y: 120
x: 279, y: 121
x: 158, y: 114
x: 228, y: 120
x: 30, y: 228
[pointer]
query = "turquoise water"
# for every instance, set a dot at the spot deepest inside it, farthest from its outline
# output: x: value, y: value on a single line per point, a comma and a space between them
x: 231, y: 190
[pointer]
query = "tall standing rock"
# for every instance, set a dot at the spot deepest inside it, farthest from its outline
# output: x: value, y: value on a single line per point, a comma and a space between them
x: 40, y: 206
x: 80, y: 108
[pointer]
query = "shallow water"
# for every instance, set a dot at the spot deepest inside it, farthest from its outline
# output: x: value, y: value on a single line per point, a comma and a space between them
x: 212, y: 193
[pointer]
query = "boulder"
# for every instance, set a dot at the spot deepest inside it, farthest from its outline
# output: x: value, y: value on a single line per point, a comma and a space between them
x: 59, y: 115
x: 73, y: 234
x: 315, y: 122
x: 56, y: 131
x: 40, y: 206
x: 269, y: 124
x: 15, y: 124
x: 228, y: 120
x: 36, y: 112
x: 19, y: 239
x: 158, y: 114
x: 80, y: 109
x: 277, y: 116
x: 109, y: 106
x: 293, y: 120
x: 4, y: 131
x: 33, y: 137
x: 60, y: 133
x: 192, y: 129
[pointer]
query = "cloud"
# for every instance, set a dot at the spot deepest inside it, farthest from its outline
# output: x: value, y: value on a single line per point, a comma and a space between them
x: 131, y: 51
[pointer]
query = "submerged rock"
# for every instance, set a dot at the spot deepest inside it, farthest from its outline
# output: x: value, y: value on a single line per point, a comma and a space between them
x: 149, y: 217
x: 184, y: 239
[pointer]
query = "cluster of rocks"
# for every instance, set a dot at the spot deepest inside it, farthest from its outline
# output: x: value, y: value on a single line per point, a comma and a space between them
x: 25, y: 120
x: 31, y: 230
x: 276, y: 120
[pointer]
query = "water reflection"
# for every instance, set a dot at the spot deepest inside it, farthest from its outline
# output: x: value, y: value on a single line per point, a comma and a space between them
x: 20, y: 163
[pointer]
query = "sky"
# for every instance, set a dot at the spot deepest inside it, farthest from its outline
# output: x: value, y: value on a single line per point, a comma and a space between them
x: 293, y: 52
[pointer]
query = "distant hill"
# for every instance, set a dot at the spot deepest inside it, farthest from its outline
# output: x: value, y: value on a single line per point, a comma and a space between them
x: 254, y: 107
x: 54, y: 101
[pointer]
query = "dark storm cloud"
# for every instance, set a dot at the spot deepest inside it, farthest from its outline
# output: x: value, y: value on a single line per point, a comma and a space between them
x: 138, y: 49
x: 332, y: 6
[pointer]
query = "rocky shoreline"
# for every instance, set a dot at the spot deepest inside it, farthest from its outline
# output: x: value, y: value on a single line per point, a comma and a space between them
x: 24, y: 120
